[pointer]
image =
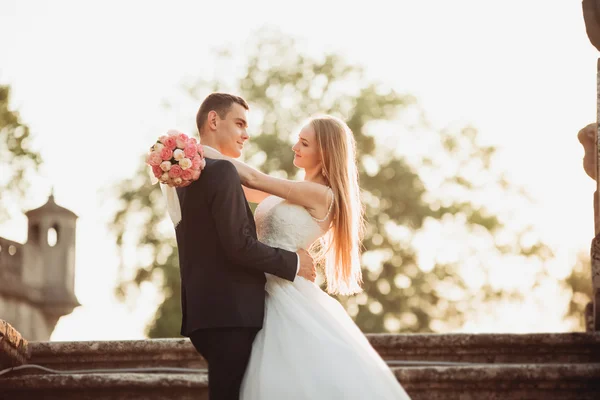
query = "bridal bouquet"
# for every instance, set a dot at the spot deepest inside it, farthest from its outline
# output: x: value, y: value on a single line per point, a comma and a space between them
x: 176, y: 159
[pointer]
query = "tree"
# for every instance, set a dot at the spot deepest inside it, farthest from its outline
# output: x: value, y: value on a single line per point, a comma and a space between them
x: 403, y: 191
x: 17, y: 159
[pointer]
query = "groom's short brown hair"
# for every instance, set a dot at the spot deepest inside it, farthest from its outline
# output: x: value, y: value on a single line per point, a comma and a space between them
x: 220, y: 103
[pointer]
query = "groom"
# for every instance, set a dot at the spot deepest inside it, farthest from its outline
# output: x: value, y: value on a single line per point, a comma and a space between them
x: 222, y: 264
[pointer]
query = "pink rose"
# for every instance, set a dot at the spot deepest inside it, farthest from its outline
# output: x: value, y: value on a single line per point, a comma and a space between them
x: 187, y: 175
x: 192, y: 141
x: 181, y: 140
x: 170, y: 143
x: 154, y: 159
x: 175, y: 171
x: 196, y: 162
x: 186, y: 183
x: 162, y: 139
x: 157, y: 171
x: 166, y: 153
x: 200, y: 150
x: 190, y: 151
x: 173, y: 132
x: 195, y: 174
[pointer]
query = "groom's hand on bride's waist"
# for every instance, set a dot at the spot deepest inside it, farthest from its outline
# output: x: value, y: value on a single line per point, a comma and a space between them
x: 307, y: 268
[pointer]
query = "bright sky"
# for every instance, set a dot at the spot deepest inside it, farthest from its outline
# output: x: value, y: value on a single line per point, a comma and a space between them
x: 90, y: 79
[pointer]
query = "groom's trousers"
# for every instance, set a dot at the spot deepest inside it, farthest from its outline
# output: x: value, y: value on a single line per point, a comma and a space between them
x: 227, y: 351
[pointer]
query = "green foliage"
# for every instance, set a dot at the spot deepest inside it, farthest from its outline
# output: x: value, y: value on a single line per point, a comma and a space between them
x: 283, y: 88
x: 17, y: 159
x: 579, y: 283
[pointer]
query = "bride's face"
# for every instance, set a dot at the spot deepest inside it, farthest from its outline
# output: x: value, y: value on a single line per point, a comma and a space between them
x: 306, y: 151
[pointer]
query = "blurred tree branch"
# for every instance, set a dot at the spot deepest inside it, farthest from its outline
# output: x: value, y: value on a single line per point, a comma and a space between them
x: 17, y: 159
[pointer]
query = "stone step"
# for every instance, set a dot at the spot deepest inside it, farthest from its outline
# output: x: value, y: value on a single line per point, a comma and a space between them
x: 506, y: 382
x: 497, y: 381
x: 475, y: 348
x: 577, y: 347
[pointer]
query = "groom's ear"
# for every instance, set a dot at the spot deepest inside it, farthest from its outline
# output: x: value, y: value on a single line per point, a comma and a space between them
x: 211, y: 119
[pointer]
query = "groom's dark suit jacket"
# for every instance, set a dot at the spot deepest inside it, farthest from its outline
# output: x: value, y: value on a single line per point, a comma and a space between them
x: 222, y: 264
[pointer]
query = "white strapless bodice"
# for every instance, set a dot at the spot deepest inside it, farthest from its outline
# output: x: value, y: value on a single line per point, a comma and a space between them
x: 285, y: 225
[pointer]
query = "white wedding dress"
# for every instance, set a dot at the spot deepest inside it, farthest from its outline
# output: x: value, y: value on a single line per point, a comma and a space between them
x: 309, y: 347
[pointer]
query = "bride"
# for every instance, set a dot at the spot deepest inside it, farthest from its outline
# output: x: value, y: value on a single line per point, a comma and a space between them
x: 309, y: 347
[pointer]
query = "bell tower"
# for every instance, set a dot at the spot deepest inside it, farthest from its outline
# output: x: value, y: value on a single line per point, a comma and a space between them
x: 50, y: 254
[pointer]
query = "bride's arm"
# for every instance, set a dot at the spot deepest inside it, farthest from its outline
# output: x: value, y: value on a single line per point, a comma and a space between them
x: 253, y: 195
x: 307, y: 194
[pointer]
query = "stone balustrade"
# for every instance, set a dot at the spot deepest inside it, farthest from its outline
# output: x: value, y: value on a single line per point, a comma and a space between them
x: 488, y: 366
x: 552, y: 348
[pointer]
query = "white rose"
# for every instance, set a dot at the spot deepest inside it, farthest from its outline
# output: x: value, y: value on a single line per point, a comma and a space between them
x: 185, y: 163
x: 173, y: 132
x: 158, y: 147
x: 164, y: 177
x: 177, y: 181
x: 165, y: 165
x: 178, y: 154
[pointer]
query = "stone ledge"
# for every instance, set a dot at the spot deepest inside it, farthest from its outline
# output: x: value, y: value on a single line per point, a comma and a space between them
x: 448, y: 340
x: 496, y: 373
x: 106, y: 381
x: 481, y: 348
x: 502, y: 382
x: 549, y: 382
x: 577, y: 347
x: 14, y: 350
x: 116, y: 354
x: 106, y: 386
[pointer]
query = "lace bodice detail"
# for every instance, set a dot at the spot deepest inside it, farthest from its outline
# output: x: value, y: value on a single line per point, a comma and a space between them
x: 285, y: 225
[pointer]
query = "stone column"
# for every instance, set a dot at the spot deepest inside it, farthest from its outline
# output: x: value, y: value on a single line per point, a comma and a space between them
x: 594, y: 318
x: 591, y: 16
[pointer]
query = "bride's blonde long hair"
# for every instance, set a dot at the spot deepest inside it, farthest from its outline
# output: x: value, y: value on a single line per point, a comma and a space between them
x: 340, y: 246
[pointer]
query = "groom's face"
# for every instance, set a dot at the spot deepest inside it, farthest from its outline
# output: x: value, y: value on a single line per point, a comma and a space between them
x: 231, y: 131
